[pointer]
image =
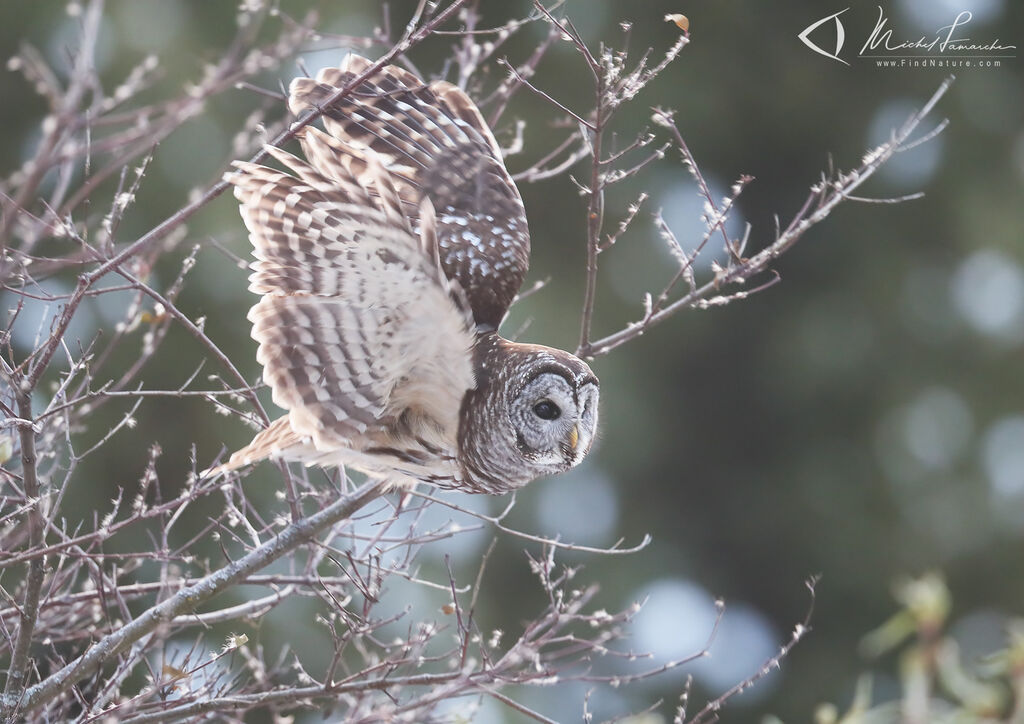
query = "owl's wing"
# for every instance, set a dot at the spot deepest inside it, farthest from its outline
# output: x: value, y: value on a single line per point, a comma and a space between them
x: 434, y: 139
x: 357, y: 323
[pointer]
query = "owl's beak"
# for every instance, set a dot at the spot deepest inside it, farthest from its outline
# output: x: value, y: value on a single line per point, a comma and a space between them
x: 574, y: 437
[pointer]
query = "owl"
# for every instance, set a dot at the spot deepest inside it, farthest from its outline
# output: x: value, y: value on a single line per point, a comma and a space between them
x: 385, y: 263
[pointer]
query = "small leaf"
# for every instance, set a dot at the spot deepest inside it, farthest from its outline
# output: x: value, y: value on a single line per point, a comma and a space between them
x: 173, y: 672
x: 680, y: 20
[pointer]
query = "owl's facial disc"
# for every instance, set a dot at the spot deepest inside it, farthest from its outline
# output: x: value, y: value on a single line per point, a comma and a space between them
x: 554, y: 421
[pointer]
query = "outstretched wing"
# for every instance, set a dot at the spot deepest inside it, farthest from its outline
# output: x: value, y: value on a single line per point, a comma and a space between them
x: 434, y: 140
x: 357, y: 324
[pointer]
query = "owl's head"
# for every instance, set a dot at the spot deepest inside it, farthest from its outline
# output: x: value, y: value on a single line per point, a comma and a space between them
x: 553, y: 412
x: 532, y: 413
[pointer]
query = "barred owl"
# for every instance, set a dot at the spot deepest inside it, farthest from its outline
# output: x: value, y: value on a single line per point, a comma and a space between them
x: 385, y: 263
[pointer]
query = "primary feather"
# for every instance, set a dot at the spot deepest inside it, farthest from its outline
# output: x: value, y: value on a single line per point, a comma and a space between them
x: 435, y: 143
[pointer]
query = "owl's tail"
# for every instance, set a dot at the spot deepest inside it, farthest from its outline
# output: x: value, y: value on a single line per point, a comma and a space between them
x: 274, y: 441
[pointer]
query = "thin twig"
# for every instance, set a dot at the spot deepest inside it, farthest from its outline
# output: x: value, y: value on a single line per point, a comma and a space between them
x: 14, y: 687
x: 829, y: 194
x: 710, y: 711
x: 188, y: 599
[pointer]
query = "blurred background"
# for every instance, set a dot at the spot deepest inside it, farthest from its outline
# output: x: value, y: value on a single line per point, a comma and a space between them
x: 862, y: 420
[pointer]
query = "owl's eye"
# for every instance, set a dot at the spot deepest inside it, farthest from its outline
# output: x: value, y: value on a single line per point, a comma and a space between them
x: 546, y: 410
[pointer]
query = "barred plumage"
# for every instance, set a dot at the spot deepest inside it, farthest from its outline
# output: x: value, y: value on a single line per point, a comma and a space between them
x: 385, y: 265
x: 433, y: 138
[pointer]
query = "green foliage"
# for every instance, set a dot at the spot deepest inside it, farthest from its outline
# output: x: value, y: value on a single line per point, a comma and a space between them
x: 937, y: 683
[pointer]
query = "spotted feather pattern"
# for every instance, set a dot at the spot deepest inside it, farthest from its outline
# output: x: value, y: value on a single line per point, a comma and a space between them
x: 435, y: 143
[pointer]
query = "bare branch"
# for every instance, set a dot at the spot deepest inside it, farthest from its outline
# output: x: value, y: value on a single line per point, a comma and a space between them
x: 824, y: 197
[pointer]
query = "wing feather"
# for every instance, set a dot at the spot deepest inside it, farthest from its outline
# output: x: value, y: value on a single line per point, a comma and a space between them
x: 435, y: 144
x: 354, y: 306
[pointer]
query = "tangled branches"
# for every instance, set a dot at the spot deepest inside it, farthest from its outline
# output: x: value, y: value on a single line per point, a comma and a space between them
x: 112, y: 612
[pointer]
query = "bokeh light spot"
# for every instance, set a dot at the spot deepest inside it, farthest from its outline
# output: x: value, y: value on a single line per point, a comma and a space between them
x: 581, y: 506
x: 938, y: 427
x: 1003, y: 456
x: 678, y: 618
x: 911, y: 169
x: 988, y: 291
